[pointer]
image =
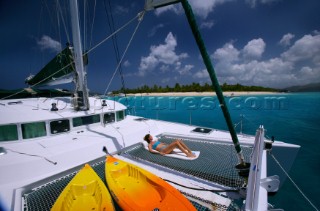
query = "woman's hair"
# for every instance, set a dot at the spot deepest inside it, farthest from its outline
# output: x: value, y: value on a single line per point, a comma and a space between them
x: 146, y: 138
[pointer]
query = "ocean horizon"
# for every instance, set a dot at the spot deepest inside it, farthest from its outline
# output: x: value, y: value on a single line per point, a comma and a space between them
x: 289, y: 117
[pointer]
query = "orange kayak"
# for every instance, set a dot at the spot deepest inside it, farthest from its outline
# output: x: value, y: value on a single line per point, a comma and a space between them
x: 85, y: 191
x: 134, y: 188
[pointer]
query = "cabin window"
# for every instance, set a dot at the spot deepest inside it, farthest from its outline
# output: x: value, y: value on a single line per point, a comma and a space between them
x: 120, y: 115
x: 33, y: 130
x: 108, y: 118
x: 85, y: 120
x: 8, y: 133
x: 59, y: 126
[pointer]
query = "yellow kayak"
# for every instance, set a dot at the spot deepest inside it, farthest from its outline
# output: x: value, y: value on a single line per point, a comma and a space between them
x: 134, y: 188
x: 85, y: 191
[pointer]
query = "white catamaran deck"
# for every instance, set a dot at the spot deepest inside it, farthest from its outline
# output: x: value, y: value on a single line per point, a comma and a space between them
x: 29, y: 161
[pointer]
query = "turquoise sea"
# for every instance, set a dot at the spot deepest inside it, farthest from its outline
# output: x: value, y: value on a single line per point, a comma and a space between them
x: 290, y: 117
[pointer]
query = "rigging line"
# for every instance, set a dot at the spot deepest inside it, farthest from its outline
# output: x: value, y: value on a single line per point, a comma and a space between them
x: 111, y: 27
x: 86, y: 21
x: 63, y: 22
x: 58, y: 14
x: 38, y: 82
x: 84, y: 25
x: 117, y: 129
x: 23, y: 153
x: 125, y: 25
x: 105, y: 39
x: 94, y: 16
x: 202, y: 189
x: 145, y: 122
x: 58, y: 25
x: 236, y: 125
x: 14, y: 94
x: 140, y: 17
x: 54, y: 18
x: 292, y: 181
x: 58, y: 5
x: 48, y: 11
x: 118, y: 54
x: 252, y: 123
x: 114, y: 40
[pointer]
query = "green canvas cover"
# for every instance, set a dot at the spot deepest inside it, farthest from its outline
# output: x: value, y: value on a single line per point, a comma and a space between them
x: 61, y: 65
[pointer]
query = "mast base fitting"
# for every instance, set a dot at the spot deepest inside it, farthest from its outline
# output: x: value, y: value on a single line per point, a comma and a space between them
x: 268, y: 144
x: 243, y: 170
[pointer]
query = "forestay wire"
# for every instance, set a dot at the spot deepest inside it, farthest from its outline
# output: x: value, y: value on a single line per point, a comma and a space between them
x: 293, y: 182
x: 140, y: 18
x: 115, y: 32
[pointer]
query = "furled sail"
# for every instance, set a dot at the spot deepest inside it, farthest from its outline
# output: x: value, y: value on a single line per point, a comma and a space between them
x: 59, y: 70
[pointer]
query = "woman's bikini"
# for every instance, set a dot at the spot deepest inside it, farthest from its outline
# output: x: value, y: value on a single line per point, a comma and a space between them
x: 154, y: 146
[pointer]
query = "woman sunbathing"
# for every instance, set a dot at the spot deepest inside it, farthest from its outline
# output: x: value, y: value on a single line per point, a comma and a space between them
x: 163, y: 148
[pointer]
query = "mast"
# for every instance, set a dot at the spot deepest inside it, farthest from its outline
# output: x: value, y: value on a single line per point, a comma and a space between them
x: 215, y: 83
x: 81, y: 82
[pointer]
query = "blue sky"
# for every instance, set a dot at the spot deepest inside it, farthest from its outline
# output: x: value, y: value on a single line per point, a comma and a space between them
x: 272, y: 43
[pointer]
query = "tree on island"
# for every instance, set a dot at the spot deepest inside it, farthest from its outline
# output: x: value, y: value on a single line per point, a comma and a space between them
x: 194, y: 87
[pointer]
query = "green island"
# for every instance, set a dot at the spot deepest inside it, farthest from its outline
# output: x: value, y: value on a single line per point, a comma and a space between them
x: 195, y: 87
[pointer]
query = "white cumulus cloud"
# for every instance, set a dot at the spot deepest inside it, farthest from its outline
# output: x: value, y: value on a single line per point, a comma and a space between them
x: 253, y: 3
x: 298, y: 65
x: 154, y: 30
x: 201, y: 74
x: 164, y: 55
x: 185, y: 70
x: 254, y: 49
x: 305, y: 49
x: 126, y: 63
x: 173, y: 8
x: 227, y: 54
x: 286, y: 39
x: 47, y: 43
x: 201, y: 8
x: 207, y: 24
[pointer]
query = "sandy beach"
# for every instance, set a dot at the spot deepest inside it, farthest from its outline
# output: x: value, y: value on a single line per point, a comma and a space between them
x: 181, y: 94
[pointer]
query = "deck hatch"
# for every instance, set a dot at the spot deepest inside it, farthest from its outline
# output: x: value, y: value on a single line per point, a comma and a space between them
x: 202, y: 130
x: 141, y: 119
